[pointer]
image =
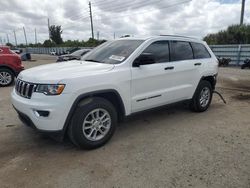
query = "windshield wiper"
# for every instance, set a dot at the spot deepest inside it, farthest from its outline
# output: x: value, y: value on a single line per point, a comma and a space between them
x: 93, y: 60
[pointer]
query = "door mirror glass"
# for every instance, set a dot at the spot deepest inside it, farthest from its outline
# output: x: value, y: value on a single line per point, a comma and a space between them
x: 144, y: 59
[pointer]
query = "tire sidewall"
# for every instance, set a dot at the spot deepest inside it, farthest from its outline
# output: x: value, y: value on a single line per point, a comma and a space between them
x: 80, y: 115
x: 200, y: 87
x: 12, y: 77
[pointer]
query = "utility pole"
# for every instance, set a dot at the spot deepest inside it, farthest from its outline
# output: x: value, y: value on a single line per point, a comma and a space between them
x: 48, y: 28
x: 35, y: 37
x: 114, y: 35
x: 24, y: 32
x: 242, y: 12
x: 7, y: 38
x: 15, y: 36
x: 91, y: 21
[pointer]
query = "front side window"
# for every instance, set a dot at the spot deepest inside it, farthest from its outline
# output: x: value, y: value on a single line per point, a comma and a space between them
x: 200, y: 51
x: 113, y: 52
x: 160, y: 51
x: 181, y: 50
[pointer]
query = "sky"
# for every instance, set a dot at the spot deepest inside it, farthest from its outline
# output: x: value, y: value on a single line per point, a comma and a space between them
x: 138, y: 18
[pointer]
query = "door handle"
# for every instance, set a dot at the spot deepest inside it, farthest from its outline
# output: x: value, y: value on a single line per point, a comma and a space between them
x: 197, y: 64
x: 169, y: 68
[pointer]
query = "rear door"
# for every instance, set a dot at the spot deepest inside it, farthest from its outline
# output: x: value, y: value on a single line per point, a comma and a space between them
x: 186, y: 73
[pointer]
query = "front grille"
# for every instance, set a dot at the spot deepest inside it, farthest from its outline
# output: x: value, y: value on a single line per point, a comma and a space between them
x: 24, y: 89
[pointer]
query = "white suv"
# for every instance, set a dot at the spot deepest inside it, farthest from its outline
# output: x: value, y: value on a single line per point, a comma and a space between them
x: 86, y: 99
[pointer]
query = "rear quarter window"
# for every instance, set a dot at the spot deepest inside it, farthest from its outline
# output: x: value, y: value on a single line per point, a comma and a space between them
x: 200, y: 51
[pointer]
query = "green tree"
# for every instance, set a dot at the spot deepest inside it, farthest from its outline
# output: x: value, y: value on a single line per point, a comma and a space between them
x: 55, y: 34
x: 9, y: 44
x: 49, y: 43
x: 234, y: 34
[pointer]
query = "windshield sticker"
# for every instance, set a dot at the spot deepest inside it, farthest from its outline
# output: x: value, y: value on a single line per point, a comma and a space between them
x: 117, y: 58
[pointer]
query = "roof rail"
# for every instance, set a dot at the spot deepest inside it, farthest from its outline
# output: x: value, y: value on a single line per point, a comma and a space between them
x: 179, y: 36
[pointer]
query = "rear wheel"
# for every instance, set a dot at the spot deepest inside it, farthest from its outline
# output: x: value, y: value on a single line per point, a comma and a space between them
x: 202, y: 97
x: 93, y: 123
x: 6, y: 77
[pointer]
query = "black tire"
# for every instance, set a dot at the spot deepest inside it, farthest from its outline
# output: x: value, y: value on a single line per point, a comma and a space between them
x: 11, y: 78
x: 243, y: 66
x: 195, y: 104
x: 75, y: 129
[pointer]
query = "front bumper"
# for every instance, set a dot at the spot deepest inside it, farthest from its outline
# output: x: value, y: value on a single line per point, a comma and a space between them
x: 57, y: 106
x: 57, y: 135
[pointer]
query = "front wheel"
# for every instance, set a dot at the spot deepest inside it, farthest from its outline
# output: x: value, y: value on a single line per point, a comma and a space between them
x: 202, y: 97
x: 6, y: 77
x: 93, y: 123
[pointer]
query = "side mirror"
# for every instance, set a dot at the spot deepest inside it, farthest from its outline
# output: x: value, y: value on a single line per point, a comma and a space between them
x: 144, y: 59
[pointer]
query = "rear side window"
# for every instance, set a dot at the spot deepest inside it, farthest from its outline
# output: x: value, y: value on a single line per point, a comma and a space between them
x: 160, y: 50
x: 181, y: 50
x: 200, y: 51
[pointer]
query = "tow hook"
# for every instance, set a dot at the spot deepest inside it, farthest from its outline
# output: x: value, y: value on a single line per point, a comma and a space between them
x: 220, y: 96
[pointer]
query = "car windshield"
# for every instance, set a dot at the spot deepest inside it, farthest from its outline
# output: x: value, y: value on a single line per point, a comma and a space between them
x: 113, y: 52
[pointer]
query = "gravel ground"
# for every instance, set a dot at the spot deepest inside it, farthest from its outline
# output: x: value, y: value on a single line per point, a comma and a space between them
x: 168, y: 147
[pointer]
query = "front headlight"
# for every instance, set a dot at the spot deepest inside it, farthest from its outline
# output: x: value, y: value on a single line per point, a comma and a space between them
x: 50, y: 89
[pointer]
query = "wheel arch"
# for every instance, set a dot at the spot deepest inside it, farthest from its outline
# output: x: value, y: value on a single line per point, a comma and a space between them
x: 110, y: 94
x: 210, y: 79
x: 9, y: 68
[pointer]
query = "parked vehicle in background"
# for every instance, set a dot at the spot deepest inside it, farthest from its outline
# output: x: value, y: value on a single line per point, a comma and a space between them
x: 73, y: 56
x: 246, y: 64
x: 52, y: 52
x: 71, y: 50
x: 10, y: 66
x: 86, y: 99
x: 16, y: 50
x: 25, y: 56
x: 223, y: 62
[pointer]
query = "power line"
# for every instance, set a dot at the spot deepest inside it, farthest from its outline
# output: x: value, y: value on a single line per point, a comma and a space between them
x: 137, y: 13
x: 131, y: 5
x: 121, y: 7
x: 144, y: 12
x: 108, y: 2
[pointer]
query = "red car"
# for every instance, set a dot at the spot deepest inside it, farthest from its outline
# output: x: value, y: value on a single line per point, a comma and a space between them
x: 10, y: 66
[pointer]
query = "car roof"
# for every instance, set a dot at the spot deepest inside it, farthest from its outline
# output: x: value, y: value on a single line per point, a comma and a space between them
x: 165, y: 37
x: 4, y: 46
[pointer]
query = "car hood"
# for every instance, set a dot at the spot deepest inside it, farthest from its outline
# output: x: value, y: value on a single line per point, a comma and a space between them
x: 54, y: 73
